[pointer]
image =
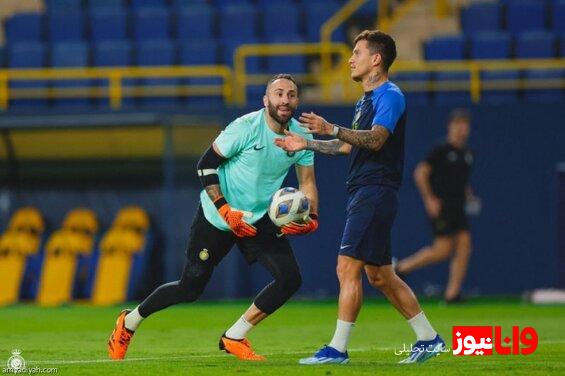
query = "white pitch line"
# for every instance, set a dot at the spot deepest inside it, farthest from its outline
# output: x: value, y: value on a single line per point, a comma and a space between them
x: 187, y: 357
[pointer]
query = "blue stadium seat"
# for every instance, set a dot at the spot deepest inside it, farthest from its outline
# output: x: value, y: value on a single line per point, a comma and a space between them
x: 24, y: 27
x: 452, y: 97
x: 225, y: 3
x: 195, y: 22
x: 94, y: 5
x: 286, y: 63
x: 494, y: 96
x: 491, y: 45
x: 558, y: 16
x: 238, y: 22
x: 27, y: 55
x: 147, y: 3
x: 316, y: 13
x: 525, y: 15
x: 63, y: 5
x: 253, y: 64
x: 536, y: 44
x: 71, y: 54
x: 446, y: 48
x: 481, y: 17
x: 65, y: 26
x: 108, y: 24
x: 562, y: 46
x: 187, y: 3
x: 113, y: 53
x: 420, y: 80
x: 277, y: 19
x: 544, y: 95
x: 198, y: 52
x: 2, y: 56
x: 151, y: 23
x: 158, y: 52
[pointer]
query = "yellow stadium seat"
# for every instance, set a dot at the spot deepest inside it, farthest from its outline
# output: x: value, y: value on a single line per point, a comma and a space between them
x: 27, y: 219
x: 133, y: 217
x: 14, y: 249
x: 81, y: 220
x: 59, y: 266
x: 114, y: 266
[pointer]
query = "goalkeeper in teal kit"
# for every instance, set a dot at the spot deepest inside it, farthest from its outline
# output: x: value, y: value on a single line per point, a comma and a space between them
x: 239, y: 173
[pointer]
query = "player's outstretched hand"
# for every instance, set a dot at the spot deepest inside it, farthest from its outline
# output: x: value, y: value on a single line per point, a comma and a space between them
x: 234, y: 219
x: 315, y: 124
x: 294, y: 228
x: 291, y: 142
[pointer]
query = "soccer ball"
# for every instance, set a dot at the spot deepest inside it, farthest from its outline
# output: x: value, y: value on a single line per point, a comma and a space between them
x: 288, y: 205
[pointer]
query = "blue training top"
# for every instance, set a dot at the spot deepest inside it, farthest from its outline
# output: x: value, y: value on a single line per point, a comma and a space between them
x: 384, y: 106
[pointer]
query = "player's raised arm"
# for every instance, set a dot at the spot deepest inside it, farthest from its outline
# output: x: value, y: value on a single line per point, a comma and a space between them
x: 294, y: 142
x: 208, y: 174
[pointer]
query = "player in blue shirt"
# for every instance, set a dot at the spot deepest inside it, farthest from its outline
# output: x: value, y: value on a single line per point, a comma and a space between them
x: 375, y: 145
x: 239, y: 173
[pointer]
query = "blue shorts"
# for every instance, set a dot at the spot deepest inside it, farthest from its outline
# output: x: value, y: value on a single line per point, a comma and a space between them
x: 371, y: 211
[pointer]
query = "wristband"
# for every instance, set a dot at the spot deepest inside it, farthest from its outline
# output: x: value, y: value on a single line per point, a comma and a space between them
x: 335, y: 130
x: 221, y: 201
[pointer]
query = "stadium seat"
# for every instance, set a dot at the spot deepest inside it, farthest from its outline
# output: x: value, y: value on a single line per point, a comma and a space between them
x: 238, y: 22
x: 161, y: 52
x: 316, y: 13
x: 187, y: 3
x: 544, y: 76
x: 63, y: 5
x: 27, y: 55
x: 95, y: 5
x: 2, y: 57
x: 151, y: 23
x: 65, y: 26
x: 112, y: 54
x: 481, y: 17
x: 194, y: 22
x: 446, y: 48
x: 225, y: 3
x: 200, y: 52
x: 420, y: 81
x: 536, y: 44
x: 562, y: 46
x: 254, y: 64
x: 24, y: 27
x: 499, y: 96
x: 280, y: 19
x: 107, y: 24
x: 491, y: 45
x: 558, y: 16
x: 456, y: 96
x: 147, y: 3
x: 525, y: 15
x: 286, y: 63
x: 70, y: 54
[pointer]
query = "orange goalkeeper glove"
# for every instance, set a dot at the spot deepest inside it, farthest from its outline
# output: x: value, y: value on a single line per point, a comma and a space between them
x: 234, y: 219
x: 295, y: 228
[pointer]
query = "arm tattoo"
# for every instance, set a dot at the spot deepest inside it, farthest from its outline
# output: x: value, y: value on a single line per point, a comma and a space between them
x: 214, y: 192
x: 325, y: 147
x: 373, y: 139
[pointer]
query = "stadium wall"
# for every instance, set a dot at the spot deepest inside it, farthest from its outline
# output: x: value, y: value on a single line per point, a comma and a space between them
x: 517, y: 149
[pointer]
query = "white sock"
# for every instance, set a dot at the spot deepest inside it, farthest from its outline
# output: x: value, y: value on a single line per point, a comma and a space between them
x: 341, y: 335
x: 133, y: 319
x: 239, y: 329
x: 422, y: 327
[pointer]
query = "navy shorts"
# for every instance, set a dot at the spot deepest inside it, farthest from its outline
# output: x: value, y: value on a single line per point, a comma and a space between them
x: 370, y: 214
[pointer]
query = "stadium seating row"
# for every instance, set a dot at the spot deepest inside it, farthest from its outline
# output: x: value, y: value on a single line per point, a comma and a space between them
x: 240, y: 22
x: 514, y: 16
x: 495, y: 45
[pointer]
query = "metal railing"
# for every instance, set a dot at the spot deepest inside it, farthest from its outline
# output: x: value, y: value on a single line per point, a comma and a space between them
x: 108, y: 82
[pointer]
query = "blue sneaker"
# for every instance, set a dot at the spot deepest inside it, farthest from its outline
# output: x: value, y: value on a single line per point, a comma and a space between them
x: 327, y: 355
x: 424, y: 350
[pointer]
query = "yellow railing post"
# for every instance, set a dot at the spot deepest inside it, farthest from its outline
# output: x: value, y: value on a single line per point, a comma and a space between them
x: 115, y: 90
x: 475, y: 85
x: 4, y: 91
x: 240, y: 75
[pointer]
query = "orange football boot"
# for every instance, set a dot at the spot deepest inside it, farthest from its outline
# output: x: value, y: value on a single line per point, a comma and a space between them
x: 120, y: 338
x: 241, y: 348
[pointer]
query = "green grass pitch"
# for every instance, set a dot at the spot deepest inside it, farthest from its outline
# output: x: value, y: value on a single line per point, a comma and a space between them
x: 184, y: 339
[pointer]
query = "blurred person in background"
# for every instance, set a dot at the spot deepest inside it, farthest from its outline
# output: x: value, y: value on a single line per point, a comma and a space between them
x: 443, y: 181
